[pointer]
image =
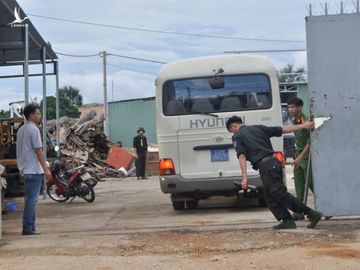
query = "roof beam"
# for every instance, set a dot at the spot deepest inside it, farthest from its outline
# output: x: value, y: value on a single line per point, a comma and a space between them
x: 11, y: 45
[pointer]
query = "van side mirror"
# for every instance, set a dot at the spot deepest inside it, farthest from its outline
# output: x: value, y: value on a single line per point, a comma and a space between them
x: 217, y: 83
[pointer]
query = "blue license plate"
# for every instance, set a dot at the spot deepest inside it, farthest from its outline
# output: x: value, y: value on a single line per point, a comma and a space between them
x: 219, y: 155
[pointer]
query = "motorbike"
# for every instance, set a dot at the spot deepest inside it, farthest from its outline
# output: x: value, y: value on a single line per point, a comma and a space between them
x: 66, y: 184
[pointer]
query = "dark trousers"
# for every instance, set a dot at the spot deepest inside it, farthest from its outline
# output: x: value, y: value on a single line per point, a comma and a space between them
x: 140, y: 165
x: 276, y: 195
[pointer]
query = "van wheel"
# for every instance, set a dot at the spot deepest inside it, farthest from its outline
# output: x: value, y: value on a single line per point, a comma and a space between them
x: 193, y: 204
x: 261, y: 197
x: 178, y: 205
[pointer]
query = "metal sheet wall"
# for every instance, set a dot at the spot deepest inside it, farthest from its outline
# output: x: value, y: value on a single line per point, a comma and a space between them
x: 125, y: 117
x: 334, y: 67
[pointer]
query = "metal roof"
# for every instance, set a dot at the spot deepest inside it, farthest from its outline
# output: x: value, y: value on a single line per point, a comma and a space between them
x: 133, y: 99
x: 12, y: 38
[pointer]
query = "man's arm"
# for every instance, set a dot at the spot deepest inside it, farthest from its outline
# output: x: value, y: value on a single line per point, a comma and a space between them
x: 135, y: 147
x: 146, y: 144
x: 146, y: 148
x: 37, y: 146
x: 40, y: 156
x: 301, y: 156
x: 306, y: 125
x: 134, y: 143
x: 242, y: 161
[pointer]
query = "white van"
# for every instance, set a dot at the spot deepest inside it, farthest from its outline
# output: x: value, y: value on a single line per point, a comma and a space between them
x: 194, y: 99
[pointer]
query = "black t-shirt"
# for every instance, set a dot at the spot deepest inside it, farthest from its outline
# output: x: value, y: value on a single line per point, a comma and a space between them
x: 254, y: 142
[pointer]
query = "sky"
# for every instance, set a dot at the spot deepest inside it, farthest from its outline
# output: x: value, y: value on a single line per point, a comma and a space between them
x: 127, y: 79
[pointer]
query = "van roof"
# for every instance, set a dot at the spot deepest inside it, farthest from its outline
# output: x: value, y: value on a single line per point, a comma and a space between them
x: 206, y: 66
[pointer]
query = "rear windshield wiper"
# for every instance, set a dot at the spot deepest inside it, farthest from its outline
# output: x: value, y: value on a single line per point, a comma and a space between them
x: 206, y: 113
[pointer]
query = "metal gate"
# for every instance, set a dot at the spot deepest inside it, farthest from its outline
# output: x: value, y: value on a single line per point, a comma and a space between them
x: 333, y: 47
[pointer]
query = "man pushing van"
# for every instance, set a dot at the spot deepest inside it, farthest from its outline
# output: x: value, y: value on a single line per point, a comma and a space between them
x: 253, y: 143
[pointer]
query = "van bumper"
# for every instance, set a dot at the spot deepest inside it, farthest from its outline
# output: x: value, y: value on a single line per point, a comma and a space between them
x: 176, y: 184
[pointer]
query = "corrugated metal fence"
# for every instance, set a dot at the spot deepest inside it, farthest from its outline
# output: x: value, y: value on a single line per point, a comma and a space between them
x: 125, y: 117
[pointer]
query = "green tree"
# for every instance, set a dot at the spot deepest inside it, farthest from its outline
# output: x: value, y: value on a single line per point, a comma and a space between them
x: 4, y: 114
x: 286, y: 74
x: 70, y: 100
x: 50, y: 107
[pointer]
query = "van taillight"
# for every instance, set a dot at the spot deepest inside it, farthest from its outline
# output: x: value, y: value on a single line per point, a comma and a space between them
x: 280, y: 157
x: 166, y: 166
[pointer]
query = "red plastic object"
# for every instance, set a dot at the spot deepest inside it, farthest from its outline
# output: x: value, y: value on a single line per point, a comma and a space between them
x: 280, y: 156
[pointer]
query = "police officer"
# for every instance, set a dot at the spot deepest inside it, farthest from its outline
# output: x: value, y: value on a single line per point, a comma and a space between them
x: 302, y: 138
x: 253, y: 143
x: 141, y: 147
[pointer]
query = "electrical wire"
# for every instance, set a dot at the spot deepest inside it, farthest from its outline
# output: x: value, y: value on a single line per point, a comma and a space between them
x: 111, y: 54
x: 78, y: 55
x: 268, y: 51
x: 136, y: 58
x: 165, y: 32
x: 131, y: 69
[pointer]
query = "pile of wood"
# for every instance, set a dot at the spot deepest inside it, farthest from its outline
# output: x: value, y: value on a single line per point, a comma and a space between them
x: 84, y: 142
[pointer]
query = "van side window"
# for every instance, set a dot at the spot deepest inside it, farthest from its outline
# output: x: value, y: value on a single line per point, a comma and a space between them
x: 195, y: 95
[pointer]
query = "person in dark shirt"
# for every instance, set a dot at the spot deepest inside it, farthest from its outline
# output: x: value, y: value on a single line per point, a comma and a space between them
x: 253, y: 143
x: 141, y: 147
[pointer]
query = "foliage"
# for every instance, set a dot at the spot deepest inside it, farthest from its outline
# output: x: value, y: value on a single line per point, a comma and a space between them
x: 4, y: 114
x: 289, y: 74
x: 70, y: 100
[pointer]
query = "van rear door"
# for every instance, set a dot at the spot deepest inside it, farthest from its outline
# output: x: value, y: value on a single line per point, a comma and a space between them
x: 204, y: 145
x: 207, y: 152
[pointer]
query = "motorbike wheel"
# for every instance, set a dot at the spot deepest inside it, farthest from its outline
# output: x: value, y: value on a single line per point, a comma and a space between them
x: 90, y: 197
x: 54, y: 194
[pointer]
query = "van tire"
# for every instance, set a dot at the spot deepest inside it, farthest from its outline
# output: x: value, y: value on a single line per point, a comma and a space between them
x: 261, y: 197
x: 193, y: 204
x: 178, y: 205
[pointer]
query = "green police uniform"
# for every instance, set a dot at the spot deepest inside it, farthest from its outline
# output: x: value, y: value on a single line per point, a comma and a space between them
x: 302, y: 138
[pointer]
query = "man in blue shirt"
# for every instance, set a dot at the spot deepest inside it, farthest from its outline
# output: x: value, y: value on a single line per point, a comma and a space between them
x: 31, y: 164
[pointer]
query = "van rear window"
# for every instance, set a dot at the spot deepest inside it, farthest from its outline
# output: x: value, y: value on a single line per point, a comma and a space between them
x: 240, y: 92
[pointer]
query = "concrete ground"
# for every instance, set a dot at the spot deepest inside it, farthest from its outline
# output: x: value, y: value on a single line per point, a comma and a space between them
x: 132, y: 224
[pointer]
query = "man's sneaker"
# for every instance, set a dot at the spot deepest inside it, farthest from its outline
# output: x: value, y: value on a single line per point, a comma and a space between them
x: 298, y: 216
x: 314, y: 217
x: 285, y: 224
x: 30, y: 233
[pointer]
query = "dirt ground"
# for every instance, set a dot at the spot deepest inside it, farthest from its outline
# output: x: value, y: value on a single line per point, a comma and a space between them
x: 132, y: 224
